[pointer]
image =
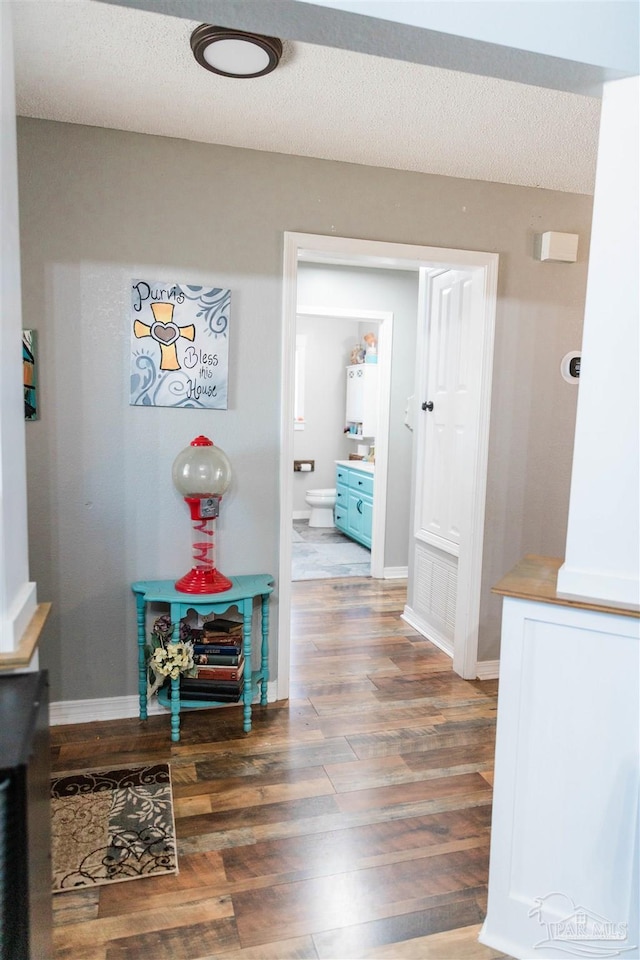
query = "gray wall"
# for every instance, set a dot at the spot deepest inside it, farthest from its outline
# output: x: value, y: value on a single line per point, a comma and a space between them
x: 99, y: 207
x: 329, y: 342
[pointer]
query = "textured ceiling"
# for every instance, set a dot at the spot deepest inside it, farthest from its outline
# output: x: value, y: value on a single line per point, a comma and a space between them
x: 81, y: 61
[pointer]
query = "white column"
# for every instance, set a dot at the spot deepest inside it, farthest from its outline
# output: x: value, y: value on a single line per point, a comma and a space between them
x: 17, y: 594
x: 603, y: 539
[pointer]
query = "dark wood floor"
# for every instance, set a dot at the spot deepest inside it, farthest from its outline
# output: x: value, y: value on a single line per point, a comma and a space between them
x: 353, y: 821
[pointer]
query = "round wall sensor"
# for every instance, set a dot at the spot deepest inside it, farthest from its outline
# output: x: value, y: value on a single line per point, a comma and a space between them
x: 570, y: 366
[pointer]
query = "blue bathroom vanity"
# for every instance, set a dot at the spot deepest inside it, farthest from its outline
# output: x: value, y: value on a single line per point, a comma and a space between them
x: 354, y: 499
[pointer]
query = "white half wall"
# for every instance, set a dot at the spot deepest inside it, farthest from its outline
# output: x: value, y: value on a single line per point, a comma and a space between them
x: 563, y: 877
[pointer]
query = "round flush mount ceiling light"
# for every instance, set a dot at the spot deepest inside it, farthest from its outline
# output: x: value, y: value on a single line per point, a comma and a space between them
x: 235, y: 53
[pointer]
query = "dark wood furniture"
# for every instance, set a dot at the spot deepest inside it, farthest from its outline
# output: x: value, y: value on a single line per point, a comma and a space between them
x: 25, y: 818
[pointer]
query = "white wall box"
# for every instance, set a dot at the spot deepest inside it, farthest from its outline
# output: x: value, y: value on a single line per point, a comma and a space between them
x: 558, y: 246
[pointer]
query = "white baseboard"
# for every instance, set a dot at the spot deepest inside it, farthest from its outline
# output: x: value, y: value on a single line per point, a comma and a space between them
x: 301, y: 514
x: 113, y: 708
x: 485, y: 669
x: 497, y: 941
x: 488, y: 669
x: 415, y: 621
x: 105, y: 708
x: 396, y: 573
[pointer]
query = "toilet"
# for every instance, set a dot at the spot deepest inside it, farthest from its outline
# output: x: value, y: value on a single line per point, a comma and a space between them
x: 322, y: 502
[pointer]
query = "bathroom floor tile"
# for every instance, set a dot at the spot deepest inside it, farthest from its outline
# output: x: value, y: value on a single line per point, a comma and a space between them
x: 317, y: 534
x: 320, y: 553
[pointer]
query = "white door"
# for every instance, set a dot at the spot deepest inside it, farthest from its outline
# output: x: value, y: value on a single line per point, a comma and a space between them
x: 446, y: 390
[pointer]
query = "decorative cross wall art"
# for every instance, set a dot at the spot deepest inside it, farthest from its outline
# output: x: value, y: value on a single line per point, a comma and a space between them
x: 179, y: 345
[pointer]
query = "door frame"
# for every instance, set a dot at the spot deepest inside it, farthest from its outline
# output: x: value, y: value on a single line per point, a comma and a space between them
x: 386, y: 255
x: 384, y: 320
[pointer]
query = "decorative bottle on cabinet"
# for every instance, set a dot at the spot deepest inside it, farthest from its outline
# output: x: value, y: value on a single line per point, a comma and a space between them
x: 362, y: 400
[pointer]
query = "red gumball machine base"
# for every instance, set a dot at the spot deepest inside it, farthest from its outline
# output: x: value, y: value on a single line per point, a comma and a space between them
x: 200, y: 580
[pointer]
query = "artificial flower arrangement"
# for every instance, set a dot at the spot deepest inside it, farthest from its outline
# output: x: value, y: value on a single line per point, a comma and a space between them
x: 167, y: 657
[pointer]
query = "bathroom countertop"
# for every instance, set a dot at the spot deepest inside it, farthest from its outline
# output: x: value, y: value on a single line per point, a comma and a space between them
x: 357, y: 465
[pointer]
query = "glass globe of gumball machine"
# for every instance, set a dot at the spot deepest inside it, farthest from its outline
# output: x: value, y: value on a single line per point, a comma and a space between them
x: 202, y: 474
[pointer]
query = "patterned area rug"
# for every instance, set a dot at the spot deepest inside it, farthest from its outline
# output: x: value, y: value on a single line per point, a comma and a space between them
x: 112, y: 825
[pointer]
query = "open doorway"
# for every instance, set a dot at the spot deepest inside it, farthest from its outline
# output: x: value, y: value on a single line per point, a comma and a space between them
x: 320, y: 549
x: 326, y: 339
x: 481, y: 271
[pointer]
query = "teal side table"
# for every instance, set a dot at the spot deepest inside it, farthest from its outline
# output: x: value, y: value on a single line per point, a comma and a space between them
x: 242, y: 594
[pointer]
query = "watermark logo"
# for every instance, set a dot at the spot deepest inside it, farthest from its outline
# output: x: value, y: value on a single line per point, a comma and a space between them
x: 576, y: 930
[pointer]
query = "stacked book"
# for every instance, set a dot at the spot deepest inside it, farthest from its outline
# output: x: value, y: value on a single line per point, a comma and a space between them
x: 219, y: 661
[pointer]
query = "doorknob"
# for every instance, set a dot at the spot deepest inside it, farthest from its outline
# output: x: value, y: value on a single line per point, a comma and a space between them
x: 428, y: 405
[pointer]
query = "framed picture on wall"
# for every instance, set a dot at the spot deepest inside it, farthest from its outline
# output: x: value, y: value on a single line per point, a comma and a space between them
x: 29, y: 374
x: 179, y: 345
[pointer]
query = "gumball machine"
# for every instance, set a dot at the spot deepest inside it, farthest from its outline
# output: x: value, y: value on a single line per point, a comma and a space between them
x: 202, y: 473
